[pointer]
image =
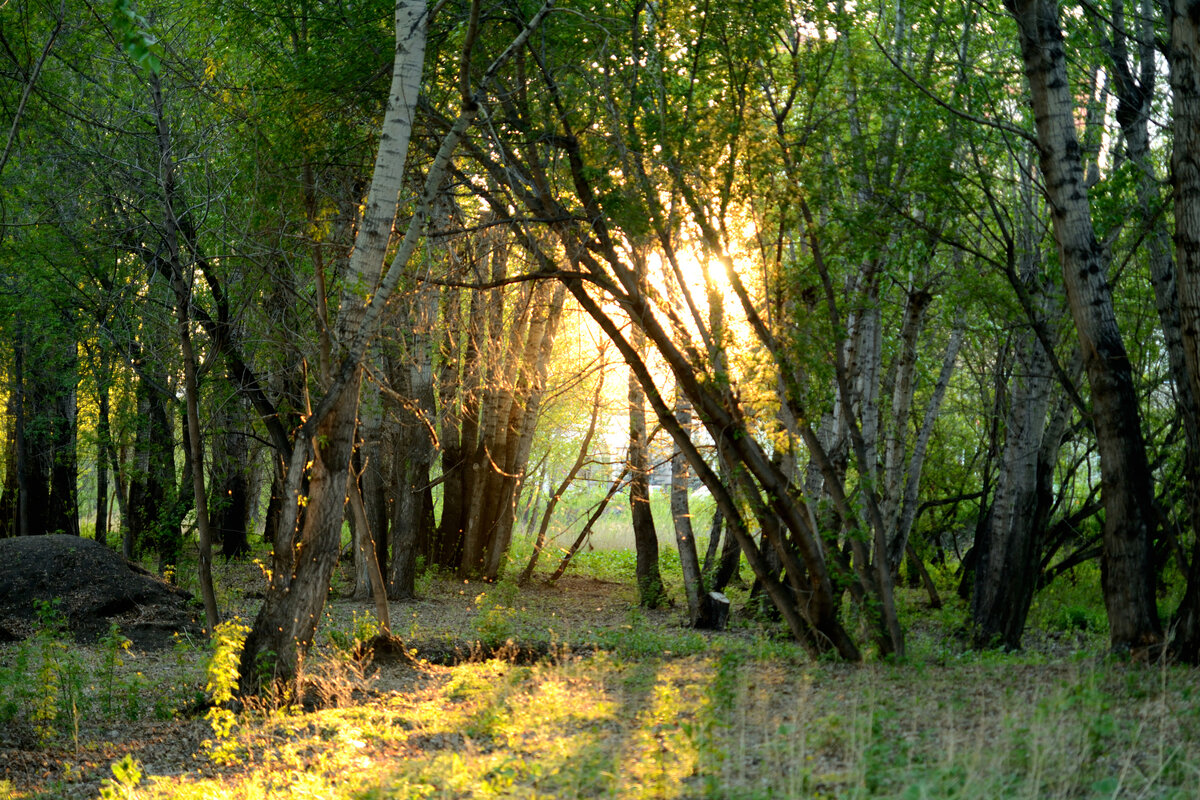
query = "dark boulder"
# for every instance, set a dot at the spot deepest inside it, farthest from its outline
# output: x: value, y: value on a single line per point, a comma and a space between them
x: 94, y: 587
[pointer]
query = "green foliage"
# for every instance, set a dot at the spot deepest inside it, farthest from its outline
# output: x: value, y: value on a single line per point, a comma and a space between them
x: 494, y: 621
x: 127, y: 774
x: 222, y: 670
x: 348, y: 642
x: 1073, y: 604
x: 47, y: 679
x: 136, y: 40
x: 637, y: 639
x: 124, y: 693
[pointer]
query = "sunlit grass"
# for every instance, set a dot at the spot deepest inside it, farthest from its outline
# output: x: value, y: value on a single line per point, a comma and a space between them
x: 729, y: 724
x: 650, y: 709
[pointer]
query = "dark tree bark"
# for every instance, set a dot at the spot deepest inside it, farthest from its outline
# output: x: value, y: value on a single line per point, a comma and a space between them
x: 46, y: 375
x: 1183, y: 58
x: 651, y: 592
x: 1127, y: 573
x: 1007, y: 554
x: 230, y: 485
x: 152, y: 514
x: 1008, y: 549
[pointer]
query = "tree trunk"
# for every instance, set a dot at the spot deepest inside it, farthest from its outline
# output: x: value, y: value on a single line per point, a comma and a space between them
x: 103, y: 443
x: 413, y: 371
x: 1183, y: 57
x: 46, y: 436
x: 151, y: 483
x: 523, y: 419
x: 651, y: 592
x: 369, y: 553
x: 231, y: 474
x: 285, y: 625
x: 1006, y: 570
x: 908, y: 500
x: 367, y: 474
x: 702, y: 613
x: 1127, y: 572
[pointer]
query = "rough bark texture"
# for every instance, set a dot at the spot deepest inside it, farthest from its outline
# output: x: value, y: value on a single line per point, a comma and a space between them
x: 1006, y: 570
x: 1183, y: 56
x: 1126, y: 568
x: 645, y: 540
x: 288, y: 618
x: 415, y: 448
x: 151, y: 491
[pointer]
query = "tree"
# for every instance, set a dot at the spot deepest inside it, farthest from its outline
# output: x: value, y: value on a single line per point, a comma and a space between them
x: 1128, y: 576
x: 304, y: 564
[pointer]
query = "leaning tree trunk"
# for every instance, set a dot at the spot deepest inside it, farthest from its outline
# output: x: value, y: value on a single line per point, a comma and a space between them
x: 704, y: 611
x: 285, y: 625
x: 1007, y: 551
x: 1127, y: 570
x: 651, y: 592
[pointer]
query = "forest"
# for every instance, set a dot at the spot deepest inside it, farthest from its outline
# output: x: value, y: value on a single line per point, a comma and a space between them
x: 843, y: 357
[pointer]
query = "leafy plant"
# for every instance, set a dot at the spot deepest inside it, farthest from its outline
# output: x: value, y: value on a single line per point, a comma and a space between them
x: 127, y: 774
x: 112, y: 645
x: 227, y: 640
x: 493, y: 623
x: 55, y: 691
x: 350, y: 643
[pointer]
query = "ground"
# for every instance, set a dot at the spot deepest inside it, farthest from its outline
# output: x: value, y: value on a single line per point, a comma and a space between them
x: 91, y: 587
x: 621, y: 702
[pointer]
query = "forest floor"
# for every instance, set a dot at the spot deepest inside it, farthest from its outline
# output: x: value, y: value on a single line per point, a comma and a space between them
x: 595, y: 697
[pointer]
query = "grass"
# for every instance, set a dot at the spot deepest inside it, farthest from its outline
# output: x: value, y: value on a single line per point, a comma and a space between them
x: 730, y: 724
x: 636, y: 706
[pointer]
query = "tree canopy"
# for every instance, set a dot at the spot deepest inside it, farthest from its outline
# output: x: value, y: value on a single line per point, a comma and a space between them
x: 898, y: 284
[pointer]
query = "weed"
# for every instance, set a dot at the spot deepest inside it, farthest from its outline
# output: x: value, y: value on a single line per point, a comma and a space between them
x: 493, y: 623
x: 350, y: 643
x: 127, y: 774
x: 55, y: 693
x: 112, y: 646
x: 227, y: 640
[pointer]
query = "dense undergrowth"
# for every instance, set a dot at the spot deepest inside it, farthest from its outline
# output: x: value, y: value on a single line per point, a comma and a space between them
x: 623, y: 703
